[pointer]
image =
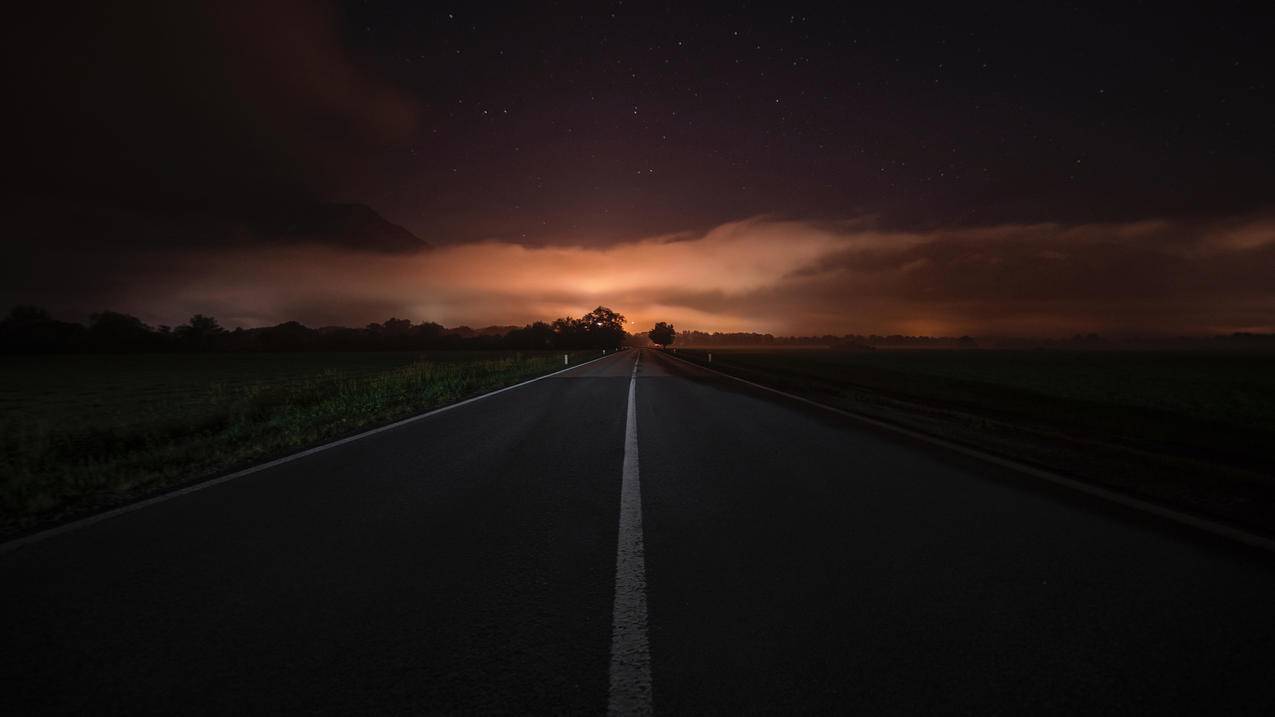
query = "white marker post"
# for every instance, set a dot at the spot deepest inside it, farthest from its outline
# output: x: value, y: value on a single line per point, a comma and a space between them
x: 710, y: 358
x: 564, y: 359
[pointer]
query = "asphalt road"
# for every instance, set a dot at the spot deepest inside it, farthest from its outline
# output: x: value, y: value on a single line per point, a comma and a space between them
x: 793, y: 561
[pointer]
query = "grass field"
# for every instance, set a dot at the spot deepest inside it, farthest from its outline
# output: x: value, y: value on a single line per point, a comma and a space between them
x: 84, y: 432
x: 1195, y: 429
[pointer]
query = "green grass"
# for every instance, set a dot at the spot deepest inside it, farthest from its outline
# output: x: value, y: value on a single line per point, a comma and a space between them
x: 1190, y: 428
x: 79, y: 433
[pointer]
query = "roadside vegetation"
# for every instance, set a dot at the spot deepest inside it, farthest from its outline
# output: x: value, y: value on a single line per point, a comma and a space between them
x: 80, y: 433
x: 1193, y: 429
x: 98, y: 414
x: 32, y: 330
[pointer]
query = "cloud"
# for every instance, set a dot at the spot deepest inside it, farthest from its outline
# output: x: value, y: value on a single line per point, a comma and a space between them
x: 763, y: 274
x: 205, y: 102
x: 1247, y: 236
x: 287, y: 59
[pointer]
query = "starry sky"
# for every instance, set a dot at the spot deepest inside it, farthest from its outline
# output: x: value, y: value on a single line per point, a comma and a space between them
x: 1016, y: 168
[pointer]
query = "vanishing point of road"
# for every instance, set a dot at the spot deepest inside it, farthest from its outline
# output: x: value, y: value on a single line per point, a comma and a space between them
x: 635, y: 534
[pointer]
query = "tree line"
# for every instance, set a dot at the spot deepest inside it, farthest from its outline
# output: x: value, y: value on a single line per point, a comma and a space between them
x: 1238, y: 341
x: 849, y: 341
x: 29, y: 329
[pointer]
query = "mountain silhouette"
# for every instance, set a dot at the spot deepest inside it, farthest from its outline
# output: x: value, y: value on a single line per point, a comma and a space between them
x: 43, y: 222
x: 354, y: 226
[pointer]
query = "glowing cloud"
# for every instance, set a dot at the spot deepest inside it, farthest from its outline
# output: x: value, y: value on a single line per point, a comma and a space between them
x: 769, y: 275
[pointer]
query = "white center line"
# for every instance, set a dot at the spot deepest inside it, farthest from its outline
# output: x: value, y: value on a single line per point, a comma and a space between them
x: 630, y: 649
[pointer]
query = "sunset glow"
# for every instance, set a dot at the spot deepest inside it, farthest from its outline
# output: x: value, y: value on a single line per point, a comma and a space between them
x: 764, y: 171
x: 767, y: 275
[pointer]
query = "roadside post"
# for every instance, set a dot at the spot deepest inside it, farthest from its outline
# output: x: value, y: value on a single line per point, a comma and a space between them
x: 564, y: 359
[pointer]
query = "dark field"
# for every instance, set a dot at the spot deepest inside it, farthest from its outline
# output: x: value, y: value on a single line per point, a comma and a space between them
x: 84, y: 432
x: 1191, y: 429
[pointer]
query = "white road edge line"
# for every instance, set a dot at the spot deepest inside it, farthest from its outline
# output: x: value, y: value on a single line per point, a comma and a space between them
x: 98, y: 518
x: 1194, y: 521
x: 630, y: 672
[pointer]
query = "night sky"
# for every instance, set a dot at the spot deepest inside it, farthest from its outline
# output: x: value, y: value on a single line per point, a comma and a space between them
x: 1026, y: 168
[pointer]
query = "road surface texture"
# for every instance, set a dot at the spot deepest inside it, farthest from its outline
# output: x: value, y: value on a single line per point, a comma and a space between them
x: 785, y: 560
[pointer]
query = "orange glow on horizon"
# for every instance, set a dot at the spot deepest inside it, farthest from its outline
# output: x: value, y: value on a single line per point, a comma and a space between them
x: 780, y: 277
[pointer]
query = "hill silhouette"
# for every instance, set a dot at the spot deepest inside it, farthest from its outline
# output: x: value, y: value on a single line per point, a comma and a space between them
x: 353, y: 226
x: 42, y: 222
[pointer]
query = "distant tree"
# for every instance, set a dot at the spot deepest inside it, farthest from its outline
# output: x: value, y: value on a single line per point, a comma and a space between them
x: 396, y: 327
x: 200, y: 324
x: 638, y: 341
x: 539, y: 335
x: 116, y: 322
x: 429, y: 334
x: 603, y: 328
x: 27, y: 315
x: 200, y: 332
x: 288, y: 336
x: 114, y: 331
x: 30, y: 329
x: 849, y: 343
x: 663, y: 334
x: 567, y: 333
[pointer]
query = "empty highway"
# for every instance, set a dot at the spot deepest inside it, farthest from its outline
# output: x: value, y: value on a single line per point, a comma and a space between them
x: 635, y: 534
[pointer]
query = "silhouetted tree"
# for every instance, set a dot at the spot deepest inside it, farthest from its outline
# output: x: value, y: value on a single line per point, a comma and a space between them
x: 663, y: 334
x: 114, y: 331
x: 603, y: 328
x: 567, y: 333
x: 30, y: 329
x: 396, y: 327
x: 288, y: 336
x: 539, y: 335
x: 429, y: 334
x: 200, y: 332
x: 27, y: 315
